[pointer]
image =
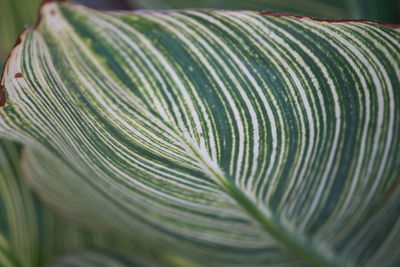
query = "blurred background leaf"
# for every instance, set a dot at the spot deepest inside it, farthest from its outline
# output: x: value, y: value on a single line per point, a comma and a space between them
x: 32, y: 235
x: 93, y: 258
x: 14, y: 14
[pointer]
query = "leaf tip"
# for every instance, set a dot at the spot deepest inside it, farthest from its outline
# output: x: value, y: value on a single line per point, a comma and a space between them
x: 51, y: 11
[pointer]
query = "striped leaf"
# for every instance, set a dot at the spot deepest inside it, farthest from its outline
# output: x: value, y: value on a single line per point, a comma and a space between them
x: 230, y: 137
x: 323, y: 8
x: 33, y: 236
x: 388, y: 11
x: 26, y: 228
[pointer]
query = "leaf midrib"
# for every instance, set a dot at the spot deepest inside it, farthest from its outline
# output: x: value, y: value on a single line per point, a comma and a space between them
x: 304, y: 249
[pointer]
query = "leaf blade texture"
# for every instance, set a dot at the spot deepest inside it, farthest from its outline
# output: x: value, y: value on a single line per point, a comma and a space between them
x: 231, y: 137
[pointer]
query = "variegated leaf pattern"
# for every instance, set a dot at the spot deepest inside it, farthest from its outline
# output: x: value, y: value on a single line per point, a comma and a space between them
x: 388, y: 11
x: 231, y: 137
x: 32, y: 235
x: 323, y: 8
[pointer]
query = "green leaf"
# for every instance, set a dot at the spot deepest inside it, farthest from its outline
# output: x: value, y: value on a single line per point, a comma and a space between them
x: 100, y: 259
x: 29, y: 234
x: 24, y: 224
x: 382, y: 10
x: 320, y: 8
x: 14, y: 14
x: 230, y: 137
x: 32, y: 235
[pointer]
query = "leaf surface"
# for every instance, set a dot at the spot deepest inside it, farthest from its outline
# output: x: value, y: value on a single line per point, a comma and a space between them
x: 325, y: 8
x: 31, y: 234
x: 231, y: 137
